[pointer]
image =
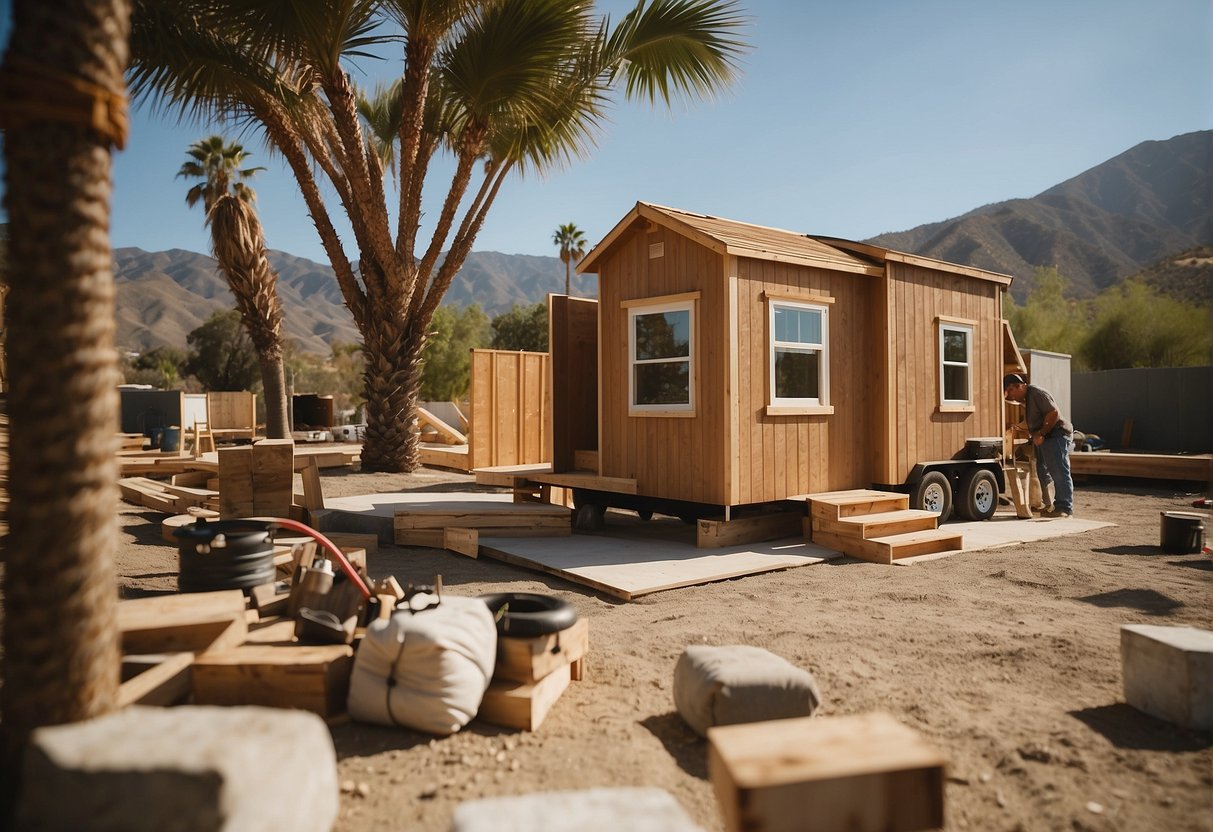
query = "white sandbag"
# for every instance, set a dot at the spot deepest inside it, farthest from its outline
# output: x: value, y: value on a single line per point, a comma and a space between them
x: 426, y: 670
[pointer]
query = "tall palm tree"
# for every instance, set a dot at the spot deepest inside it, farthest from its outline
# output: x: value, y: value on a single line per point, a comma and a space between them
x: 64, y: 109
x: 571, y: 241
x: 501, y: 86
x: 238, y: 244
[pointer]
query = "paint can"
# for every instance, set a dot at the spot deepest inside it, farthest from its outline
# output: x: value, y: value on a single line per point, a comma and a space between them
x: 1182, y: 532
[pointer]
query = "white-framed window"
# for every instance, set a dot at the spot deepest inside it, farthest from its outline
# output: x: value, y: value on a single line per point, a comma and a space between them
x: 661, y: 357
x: 955, y: 364
x: 799, y: 363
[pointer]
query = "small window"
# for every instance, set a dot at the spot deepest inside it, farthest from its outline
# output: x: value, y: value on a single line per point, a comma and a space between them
x: 799, y: 366
x: 955, y: 364
x: 660, y: 346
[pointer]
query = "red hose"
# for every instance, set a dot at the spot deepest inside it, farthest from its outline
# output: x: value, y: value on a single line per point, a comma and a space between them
x: 337, y: 554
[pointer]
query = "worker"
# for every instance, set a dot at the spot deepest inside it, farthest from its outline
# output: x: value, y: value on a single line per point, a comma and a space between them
x: 1049, y: 433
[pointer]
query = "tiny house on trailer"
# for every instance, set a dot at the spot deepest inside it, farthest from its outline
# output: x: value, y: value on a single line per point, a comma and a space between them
x: 736, y: 365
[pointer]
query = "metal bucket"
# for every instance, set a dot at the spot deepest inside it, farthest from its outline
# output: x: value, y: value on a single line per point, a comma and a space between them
x: 1182, y: 532
x: 170, y: 440
x: 224, y: 554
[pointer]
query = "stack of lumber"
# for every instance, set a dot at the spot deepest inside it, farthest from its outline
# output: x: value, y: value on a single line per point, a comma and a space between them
x: 257, y: 479
x: 459, y: 527
x: 223, y: 648
x: 531, y: 674
x: 176, y: 496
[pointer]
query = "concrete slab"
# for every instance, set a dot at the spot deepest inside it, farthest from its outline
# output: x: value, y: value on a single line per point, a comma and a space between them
x: 591, y: 810
x: 631, y: 558
x: 1168, y: 673
x: 194, y: 769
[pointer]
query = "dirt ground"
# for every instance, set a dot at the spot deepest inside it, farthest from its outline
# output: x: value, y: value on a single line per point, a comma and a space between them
x: 1008, y: 660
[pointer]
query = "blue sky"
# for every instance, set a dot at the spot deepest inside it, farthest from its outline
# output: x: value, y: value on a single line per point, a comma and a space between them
x: 849, y: 119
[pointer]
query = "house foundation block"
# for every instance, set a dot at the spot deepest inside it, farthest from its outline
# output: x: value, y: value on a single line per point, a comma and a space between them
x: 193, y: 769
x: 1168, y: 673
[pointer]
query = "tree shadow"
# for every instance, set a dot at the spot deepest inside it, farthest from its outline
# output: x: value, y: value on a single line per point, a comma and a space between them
x: 146, y: 532
x: 1126, y: 727
x: 687, y: 748
x: 361, y: 739
x: 1148, y: 601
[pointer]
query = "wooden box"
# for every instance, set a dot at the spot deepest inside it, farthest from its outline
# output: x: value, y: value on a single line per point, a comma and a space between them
x: 534, y: 658
x: 523, y: 705
x: 854, y: 773
x: 309, y: 677
x: 191, y: 621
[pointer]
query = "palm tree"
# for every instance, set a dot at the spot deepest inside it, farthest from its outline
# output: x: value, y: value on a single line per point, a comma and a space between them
x: 60, y: 642
x: 502, y: 86
x: 238, y: 244
x: 571, y: 241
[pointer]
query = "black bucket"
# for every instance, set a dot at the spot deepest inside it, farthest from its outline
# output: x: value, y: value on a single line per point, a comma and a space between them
x: 224, y: 554
x: 1182, y: 532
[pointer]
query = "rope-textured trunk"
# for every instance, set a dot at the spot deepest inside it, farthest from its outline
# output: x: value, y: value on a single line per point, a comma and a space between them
x: 392, y: 382
x: 61, y: 651
x: 238, y: 243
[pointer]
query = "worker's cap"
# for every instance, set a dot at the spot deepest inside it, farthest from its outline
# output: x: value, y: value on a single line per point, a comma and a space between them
x: 1012, y: 378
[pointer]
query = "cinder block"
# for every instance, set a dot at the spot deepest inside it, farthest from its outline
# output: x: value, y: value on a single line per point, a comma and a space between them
x: 592, y: 810
x: 1168, y: 673
x: 865, y: 773
x: 194, y: 769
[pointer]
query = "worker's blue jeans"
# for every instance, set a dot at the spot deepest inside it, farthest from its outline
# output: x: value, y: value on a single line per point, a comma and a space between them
x: 1053, y: 466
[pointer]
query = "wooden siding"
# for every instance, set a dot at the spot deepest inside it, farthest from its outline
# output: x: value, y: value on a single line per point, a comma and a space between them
x: 918, y: 431
x: 510, y: 418
x: 779, y: 456
x: 673, y: 457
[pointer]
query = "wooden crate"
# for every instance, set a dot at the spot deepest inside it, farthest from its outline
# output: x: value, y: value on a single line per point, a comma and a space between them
x: 273, y: 477
x: 191, y: 621
x: 309, y: 677
x: 523, y: 705
x: 535, y: 658
x: 854, y: 773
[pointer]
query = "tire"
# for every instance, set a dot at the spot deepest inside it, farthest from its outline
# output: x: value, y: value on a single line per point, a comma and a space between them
x: 588, y: 517
x: 978, y: 498
x: 529, y: 613
x: 933, y: 493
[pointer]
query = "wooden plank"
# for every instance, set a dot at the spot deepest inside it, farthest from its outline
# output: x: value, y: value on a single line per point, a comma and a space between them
x: 193, y: 622
x: 527, y: 515
x: 619, y: 485
x: 462, y: 541
x: 273, y: 477
x: 310, y: 677
x: 313, y: 491
x: 523, y: 705
x: 865, y: 772
x: 532, y: 659
x: 1193, y: 467
x: 445, y: 432
x: 236, y: 481
x: 713, y: 533
x: 166, y: 682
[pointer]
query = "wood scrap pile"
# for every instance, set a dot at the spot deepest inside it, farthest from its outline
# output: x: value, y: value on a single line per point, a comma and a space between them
x: 181, y: 493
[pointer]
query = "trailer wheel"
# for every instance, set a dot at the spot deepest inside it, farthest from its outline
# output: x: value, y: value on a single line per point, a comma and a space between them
x: 644, y: 514
x: 933, y: 493
x: 588, y: 517
x: 978, y: 496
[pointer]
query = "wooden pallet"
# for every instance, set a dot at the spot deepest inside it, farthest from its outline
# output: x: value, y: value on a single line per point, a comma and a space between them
x: 877, y: 526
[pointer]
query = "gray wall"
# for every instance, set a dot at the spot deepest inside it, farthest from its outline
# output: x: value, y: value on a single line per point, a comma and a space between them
x: 1171, y: 407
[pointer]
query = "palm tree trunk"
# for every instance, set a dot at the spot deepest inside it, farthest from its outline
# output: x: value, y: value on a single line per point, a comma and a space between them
x: 568, y: 277
x: 238, y: 243
x: 393, y: 381
x: 60, y: 641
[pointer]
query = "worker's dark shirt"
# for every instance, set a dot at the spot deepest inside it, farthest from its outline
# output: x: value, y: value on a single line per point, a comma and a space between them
x: 1037, y: 404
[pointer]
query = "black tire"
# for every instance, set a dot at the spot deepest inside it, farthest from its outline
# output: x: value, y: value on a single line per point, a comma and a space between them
x: 529, y: 613
x: 978, y: 497
x: 933, y: 493
x: 588, y: 517
x: 644, y: 514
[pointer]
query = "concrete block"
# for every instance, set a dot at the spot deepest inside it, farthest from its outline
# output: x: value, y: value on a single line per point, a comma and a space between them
x: 188, y: 769
x: 1168, y: 673
x: 591, y: 810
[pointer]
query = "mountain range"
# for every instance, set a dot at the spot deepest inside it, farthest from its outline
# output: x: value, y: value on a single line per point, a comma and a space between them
x: 1146, y: 210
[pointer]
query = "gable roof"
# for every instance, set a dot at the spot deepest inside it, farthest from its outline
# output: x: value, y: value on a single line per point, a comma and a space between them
x: 741, y: 239
x: 736, y: 238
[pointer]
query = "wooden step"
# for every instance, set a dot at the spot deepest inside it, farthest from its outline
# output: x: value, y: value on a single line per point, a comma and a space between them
x: 882, y: 525
x: 835, y: 505
x: 892, y: 547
